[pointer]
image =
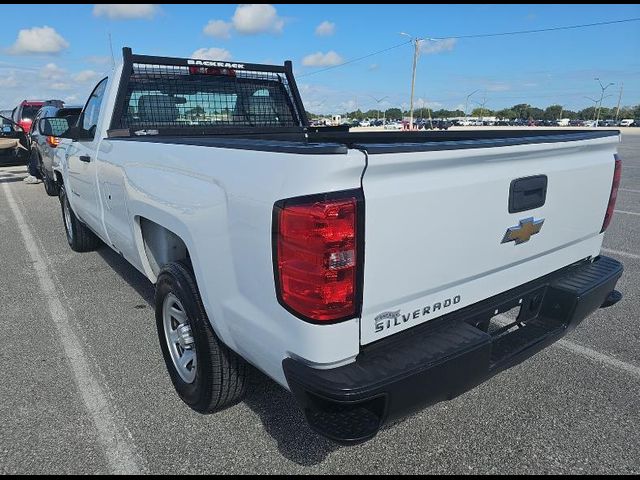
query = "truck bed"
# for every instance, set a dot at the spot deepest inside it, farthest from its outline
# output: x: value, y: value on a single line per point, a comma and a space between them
x: 319, y: 142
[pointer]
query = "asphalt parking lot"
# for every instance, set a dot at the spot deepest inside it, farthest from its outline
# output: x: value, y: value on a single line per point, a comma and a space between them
x: 573, y: 408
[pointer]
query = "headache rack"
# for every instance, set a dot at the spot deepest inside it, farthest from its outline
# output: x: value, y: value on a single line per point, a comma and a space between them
x: 191, y: 97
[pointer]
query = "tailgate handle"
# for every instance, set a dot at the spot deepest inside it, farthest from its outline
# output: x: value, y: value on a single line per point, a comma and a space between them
x: 527, y: 193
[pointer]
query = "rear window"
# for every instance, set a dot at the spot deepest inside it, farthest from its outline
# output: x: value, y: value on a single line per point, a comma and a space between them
x: 182, y: 97
x: 29, y: 112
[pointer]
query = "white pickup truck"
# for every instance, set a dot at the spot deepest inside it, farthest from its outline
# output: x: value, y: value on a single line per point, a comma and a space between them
x: 362, y: 271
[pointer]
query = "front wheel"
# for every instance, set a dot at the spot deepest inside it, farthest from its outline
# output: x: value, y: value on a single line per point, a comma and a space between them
x: 206, y: 374
x: 79, y: 237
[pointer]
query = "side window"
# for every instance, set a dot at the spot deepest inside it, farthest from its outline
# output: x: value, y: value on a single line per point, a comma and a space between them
x: 92, y: 108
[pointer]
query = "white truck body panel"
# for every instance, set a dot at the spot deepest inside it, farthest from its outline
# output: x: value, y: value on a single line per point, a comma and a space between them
x: 435, y: 221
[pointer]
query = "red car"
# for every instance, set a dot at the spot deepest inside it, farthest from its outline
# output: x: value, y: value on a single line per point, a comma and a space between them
x: 25, y: 112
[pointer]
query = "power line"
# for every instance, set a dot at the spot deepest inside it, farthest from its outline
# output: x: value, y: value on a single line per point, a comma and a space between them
x: 356, y: 59
x: 540, y: 30
x: 480, y: 35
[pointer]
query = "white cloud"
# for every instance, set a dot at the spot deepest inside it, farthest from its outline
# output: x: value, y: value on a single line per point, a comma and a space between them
x: 52, y: 72
x: 61, y: 86
x: 326, y: 29
x: 250, y: 19
x: 320, y: 59
x: 218, y: 29
x: 86, y: 76
x: 38, y: 40
x: 374, y: 66
x: 429, y: 47
x: 212, y: 54
x: 125, y: 11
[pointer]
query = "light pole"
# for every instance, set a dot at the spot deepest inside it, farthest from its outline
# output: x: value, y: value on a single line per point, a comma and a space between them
x: 466, y: 103
x: 416, y: 46
x: 378, y: 103
x: 619, y: 100
x: 602, y: 88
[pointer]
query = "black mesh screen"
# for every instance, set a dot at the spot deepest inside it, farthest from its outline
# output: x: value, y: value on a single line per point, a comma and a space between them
x: 184, y: 97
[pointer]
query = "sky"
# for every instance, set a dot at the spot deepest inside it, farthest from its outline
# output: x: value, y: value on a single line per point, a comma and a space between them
x: 61, y: 51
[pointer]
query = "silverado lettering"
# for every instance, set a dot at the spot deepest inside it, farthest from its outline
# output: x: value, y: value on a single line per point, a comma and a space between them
x: 390, y: 319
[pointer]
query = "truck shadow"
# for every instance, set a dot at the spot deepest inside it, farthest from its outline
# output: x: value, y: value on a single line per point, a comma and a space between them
x: 285, y: 423
x: 129, y: 274
x: 274, y: 405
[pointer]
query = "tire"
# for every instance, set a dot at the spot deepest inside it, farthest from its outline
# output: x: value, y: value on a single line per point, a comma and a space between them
x: 219, y: 378
x: 50, y: 185
x: 80, y: 238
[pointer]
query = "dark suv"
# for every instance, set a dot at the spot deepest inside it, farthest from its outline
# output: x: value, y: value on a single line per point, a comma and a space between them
x: 43, y: 144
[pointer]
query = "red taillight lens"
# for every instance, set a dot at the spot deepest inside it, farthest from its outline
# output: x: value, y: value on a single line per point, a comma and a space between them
x: 53, y: 141
x: 25, y: 124
x: 220, y: 72
x: 617, y: 174
x: 317, y: 258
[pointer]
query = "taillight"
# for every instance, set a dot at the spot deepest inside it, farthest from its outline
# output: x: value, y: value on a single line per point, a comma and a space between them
x: 617, y: 173
x: 53, y: 141
x: 25, y: 124
x: 317, y: 256
x: 220, y: 72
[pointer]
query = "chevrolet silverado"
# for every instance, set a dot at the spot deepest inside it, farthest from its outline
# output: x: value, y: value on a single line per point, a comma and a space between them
x: 367, y: 273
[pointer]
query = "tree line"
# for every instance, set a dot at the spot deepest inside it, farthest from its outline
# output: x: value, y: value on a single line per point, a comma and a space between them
x: 522, y: 111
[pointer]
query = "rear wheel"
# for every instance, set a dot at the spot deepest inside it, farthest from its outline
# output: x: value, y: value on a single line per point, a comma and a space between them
x: 80, y: 238
x: 206, y: 374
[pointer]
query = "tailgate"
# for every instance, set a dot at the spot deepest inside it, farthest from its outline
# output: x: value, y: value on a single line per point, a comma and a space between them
x: 437, y: 223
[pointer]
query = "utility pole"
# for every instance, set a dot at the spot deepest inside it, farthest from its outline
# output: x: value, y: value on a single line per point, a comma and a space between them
x: 466, y: 103
x: 416, y: 50
x: 602, y: 88
x: 619, y: 99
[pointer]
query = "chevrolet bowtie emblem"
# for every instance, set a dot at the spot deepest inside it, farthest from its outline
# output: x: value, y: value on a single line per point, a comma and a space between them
x: 522, y: 232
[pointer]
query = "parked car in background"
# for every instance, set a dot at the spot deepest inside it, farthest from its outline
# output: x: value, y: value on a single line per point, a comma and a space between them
x: 394, y: 126
x: 44, y: 138
x: 365, y: 123
x: 627, y: 122
x: 13, y: 141
x: 25, y: 112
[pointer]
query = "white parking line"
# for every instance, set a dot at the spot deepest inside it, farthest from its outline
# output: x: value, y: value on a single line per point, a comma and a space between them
x: 627, y: 212
x: 586, y: 352
x: 621, y: 253
x: 119, y: 450
x: 629, y: 190
x: 607, y: 360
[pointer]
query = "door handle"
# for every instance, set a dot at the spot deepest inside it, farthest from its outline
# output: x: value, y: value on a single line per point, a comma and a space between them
x: 85, y: 158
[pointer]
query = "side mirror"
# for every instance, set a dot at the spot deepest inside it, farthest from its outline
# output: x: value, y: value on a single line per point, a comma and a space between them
x: 59, y: 127
x: 53, y: 126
